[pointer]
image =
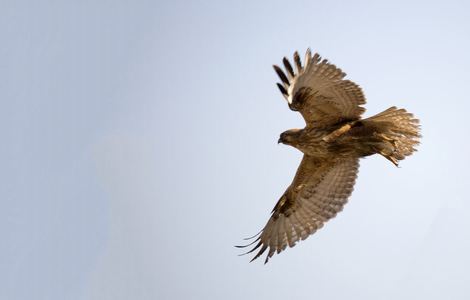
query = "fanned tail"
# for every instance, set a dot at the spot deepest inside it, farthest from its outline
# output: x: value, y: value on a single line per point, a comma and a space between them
x: 398, y: 133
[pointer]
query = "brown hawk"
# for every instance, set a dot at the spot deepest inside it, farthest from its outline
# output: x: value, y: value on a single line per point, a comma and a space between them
x: 333, y: 140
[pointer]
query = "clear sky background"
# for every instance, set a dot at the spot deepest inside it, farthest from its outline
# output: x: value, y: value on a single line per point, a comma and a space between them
x: 139, y: 145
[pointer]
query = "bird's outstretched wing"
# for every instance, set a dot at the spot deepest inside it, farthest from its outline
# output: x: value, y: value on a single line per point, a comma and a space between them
x: 319, y: 92
x: 319, y: 191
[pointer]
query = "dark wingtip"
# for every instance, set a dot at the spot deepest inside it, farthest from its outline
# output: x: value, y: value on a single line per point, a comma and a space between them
x: 266, y: 260
x: 260, y: 252
x: 254, y: 248
x: 288, y: 66
x: 281, y: 74
x: 297, y: 61
x: 252, y: 237
x: 282, y: 89
x: 244, y: 246
x: 308, y: 52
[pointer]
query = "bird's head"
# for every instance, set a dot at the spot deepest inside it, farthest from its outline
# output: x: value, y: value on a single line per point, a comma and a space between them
x: 290, y: 137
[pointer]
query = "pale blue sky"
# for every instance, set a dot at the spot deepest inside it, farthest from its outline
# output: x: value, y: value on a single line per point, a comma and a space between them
x: 139, y: 145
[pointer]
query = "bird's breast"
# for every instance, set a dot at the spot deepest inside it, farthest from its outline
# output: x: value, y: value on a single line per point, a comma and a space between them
x: 312, y: 143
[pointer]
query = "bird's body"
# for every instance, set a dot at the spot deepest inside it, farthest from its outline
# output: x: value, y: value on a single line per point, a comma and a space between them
x: 358, y: 138
x: 334, y: 139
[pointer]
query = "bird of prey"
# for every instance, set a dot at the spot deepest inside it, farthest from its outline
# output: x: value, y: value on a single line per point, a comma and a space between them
x: 334, y: 139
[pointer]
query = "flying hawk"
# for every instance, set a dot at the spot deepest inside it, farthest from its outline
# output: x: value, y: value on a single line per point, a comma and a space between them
x: 334, y: 139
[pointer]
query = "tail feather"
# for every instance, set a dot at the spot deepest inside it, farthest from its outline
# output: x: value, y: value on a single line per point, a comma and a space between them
x: 398, y: 132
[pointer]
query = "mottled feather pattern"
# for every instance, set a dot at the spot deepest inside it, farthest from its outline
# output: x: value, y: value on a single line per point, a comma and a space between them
x: 333, y: 141
x: 320, y: 190
x: 325, y: 84
x: 399, y: 126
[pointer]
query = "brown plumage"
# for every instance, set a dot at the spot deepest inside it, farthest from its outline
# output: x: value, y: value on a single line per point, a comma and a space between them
x: 333, y: 140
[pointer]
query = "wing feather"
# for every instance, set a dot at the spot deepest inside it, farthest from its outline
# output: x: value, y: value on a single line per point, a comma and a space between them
x: 287, y: 65
x: 319, y: 91
x: 281, y: 75
x: 318, y: 192
x: 282, y: 235
x: 298, y: 63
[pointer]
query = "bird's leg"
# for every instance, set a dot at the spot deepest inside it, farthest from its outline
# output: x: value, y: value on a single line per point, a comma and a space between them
x: 388, y: 139
x: 337, y: 133
x: 387, y: 153
x: 390, y: 158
